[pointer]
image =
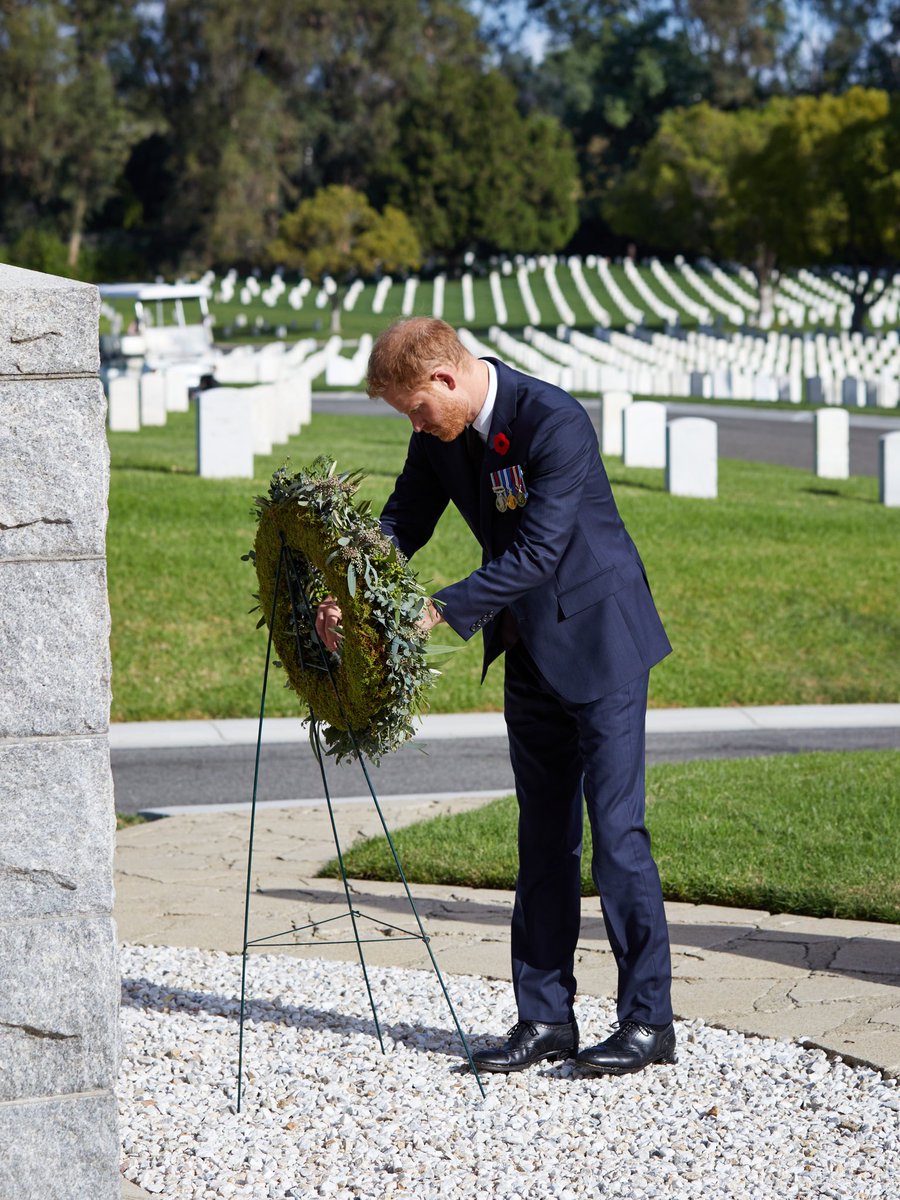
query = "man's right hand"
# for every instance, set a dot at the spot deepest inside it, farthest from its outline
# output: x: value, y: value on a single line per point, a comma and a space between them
x: 328, y: 617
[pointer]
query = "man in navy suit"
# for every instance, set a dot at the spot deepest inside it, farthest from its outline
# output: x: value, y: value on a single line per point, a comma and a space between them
x: 562, y: 591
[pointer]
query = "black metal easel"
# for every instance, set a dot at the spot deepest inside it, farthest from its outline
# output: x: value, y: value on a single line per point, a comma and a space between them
x: 301, y: 610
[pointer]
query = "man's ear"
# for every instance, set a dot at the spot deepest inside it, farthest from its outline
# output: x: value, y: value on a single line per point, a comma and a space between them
x: 447, y: 378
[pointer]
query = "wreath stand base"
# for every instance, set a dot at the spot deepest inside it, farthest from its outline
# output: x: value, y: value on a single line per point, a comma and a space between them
x: 289, y: 577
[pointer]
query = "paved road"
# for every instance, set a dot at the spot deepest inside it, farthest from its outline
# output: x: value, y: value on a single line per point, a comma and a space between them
x: 160, y: 778
x: 774, y: 436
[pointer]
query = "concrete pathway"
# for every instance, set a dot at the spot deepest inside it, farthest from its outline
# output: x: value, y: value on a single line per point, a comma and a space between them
x: 159, y: 735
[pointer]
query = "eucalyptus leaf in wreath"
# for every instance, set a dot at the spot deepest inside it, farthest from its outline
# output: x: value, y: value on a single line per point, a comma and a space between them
x: 379, y: 675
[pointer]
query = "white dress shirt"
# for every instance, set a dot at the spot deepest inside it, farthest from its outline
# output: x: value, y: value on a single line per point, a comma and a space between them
x: 482, y: 423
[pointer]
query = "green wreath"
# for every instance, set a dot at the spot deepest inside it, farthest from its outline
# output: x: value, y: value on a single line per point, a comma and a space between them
x: 379, y: 675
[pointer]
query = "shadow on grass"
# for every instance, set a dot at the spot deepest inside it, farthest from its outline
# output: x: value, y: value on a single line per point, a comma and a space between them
x: 838, y: 495
x: 158, y: 470
x: 632, y: 483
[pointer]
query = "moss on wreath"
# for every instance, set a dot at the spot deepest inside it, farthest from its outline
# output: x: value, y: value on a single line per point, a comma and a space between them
x: 379, y: 674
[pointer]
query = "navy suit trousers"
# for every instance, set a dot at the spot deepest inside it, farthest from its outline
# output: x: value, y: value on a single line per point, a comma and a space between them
x: 566, y: 755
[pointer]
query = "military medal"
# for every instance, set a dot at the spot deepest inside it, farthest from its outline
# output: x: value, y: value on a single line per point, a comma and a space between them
x: 509, y: 489
x: 521, y: 490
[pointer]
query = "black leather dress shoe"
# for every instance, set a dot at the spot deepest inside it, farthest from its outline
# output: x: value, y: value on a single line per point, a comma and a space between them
x: 631, y: 1048
x: 529, y: 1042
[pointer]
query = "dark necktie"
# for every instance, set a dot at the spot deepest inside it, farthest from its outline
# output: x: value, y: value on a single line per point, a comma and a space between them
x: 474, y: 449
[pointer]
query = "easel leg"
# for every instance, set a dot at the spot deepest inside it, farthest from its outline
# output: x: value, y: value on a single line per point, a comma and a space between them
x: 262, y: 713
x: 340, y: 857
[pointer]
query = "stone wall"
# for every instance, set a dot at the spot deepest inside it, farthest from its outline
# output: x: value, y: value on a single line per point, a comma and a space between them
x: 58, y: 972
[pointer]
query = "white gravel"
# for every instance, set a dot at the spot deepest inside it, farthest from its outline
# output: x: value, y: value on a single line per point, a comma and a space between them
x: 326, y: 1114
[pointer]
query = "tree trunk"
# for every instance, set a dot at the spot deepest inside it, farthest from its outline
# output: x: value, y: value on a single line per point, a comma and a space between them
x: 336, y: 300
x: 767, y: 281
x: 864, y: 296
x: 78, y: 214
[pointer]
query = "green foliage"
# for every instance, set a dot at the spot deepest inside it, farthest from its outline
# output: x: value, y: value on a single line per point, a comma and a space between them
x: 66, y: 130
x: 379, y: 675
x: 38, y: 250
x: 337, y: 232
x: 191, y: 127
x: 791, y: 184
x: 801, y: 833
x: 476, y: 175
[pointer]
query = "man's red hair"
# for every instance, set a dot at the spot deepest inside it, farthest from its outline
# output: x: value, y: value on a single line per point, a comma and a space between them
x: 405, y: 355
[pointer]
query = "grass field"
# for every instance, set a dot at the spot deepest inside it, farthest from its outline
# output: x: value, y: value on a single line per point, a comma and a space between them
x: 805, y: 833
x: 782, y: 591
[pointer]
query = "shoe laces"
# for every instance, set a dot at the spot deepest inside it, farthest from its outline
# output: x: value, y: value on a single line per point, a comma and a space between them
x: 622, y: 1028
x: 521, y: 1027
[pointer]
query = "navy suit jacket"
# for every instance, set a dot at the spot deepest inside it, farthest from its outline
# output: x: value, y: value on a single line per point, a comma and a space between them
x: 563, y: 564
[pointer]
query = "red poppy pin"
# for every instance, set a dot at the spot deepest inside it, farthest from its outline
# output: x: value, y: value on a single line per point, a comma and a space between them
x: 500, y: 443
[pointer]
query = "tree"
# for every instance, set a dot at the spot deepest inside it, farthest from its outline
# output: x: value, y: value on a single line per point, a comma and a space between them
x: 474, y: 174
x: 336, y: 233
x: 101, y: 127
x: 609, y: 89
x: 796, y: 183
x: 65, y: 129
x: 739, y: 43
x: 263, y: 103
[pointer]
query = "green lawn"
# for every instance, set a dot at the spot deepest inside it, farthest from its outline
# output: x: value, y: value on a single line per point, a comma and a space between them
x: 783, y: 591
x: 804, y: 833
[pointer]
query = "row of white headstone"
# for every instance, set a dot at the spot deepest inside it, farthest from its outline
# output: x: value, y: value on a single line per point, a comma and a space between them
x: 731, y: 294
x: 687, y: 447
x: 236, y: 423
x: 777, y: 367
x: 137, y: 398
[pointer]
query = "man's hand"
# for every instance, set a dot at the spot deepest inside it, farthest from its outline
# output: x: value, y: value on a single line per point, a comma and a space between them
x: 429, y: 618
x: 328, y: 617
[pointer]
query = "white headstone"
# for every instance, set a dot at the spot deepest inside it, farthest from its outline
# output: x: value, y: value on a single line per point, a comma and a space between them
x: 285, y: 416
x: 692, y: 462
x: 262, y: 419
x: 278, y: 417
x: 302, y: 396
x: 853, y: 392
x: 612, y: 406
x: 225, y: 433
x: 644, y: 434
x: 344, y: 372
x: 238, y: 366
x: 124, y: 404
x: 832, y: 444
x: 153, y: 398
x: 889, y: 469
x: 178, y: 381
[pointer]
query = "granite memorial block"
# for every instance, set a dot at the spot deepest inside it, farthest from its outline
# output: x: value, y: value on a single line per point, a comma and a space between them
x: 59, y: 997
